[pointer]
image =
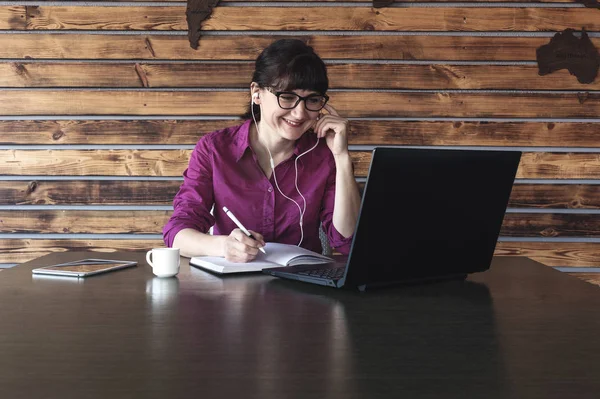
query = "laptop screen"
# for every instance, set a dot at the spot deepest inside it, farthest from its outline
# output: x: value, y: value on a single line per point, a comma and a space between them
x: 430, y: 212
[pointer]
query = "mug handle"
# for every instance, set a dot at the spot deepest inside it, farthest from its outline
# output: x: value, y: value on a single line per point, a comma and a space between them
x: 148, y: 255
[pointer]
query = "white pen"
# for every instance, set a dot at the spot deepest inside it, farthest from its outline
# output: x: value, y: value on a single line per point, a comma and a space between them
x: 241, y: 226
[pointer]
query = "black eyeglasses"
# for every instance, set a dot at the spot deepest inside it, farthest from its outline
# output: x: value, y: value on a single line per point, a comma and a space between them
x: 289, y: 100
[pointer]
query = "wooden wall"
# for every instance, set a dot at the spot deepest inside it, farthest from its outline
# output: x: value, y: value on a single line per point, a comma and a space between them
x: 101, y: 104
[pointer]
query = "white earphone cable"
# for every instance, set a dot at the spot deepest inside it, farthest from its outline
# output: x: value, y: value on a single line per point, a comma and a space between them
x: 272, y: 163
x: 296, y: 180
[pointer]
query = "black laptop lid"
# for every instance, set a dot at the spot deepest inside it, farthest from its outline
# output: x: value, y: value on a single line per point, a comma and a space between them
x: 430, y: 212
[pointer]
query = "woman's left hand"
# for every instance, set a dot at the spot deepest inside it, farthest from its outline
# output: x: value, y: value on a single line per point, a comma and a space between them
x: 334, y: 129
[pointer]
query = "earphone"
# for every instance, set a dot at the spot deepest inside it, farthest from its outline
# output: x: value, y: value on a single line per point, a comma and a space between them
x: 272, y: 163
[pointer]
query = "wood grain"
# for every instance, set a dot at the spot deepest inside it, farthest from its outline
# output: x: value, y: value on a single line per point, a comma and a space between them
x: 537, y: 196
x: 248, y: 47
x: 94, y: 162
x: 350, y: 104
x: 12, y: 17
x: 238, y: 75
x: 569, y: 254
x: 108, y: 131
x: 151, y: 222
x: 82, y: 222
x: 537, y: 165
x: 24, y: 250
x: 132, y: 192
x: 559, y: 165
x: 443, y: 76
x: 555, y: 196
x: 354, y: 18
x: 450, y: 133
x: 362, y: 132
x: 88, y: 192
x: 550, y: 225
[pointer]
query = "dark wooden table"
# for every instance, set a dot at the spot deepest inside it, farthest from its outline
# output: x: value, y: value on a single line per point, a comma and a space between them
x: 520, y: 330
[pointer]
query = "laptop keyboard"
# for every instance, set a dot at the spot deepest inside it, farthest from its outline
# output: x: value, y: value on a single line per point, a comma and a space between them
x: 333, y: 273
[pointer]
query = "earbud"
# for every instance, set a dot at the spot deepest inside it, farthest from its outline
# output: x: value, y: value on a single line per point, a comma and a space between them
x: 254, y: 97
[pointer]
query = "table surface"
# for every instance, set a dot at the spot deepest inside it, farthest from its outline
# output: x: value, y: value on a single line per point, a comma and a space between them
x: 519, y: 330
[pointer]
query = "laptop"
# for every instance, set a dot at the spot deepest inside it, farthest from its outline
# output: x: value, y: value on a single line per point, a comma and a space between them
x: 427, y: 214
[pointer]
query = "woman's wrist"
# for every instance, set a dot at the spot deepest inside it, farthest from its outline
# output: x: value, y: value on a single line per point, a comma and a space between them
x: 192, y: 242
x: 221, y: 244
x: 342, y: 158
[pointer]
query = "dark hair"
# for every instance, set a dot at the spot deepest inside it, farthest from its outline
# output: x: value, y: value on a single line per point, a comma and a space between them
x: 288, y: 64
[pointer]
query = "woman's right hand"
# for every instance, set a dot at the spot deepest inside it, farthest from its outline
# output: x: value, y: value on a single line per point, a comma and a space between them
x: 241, y: 248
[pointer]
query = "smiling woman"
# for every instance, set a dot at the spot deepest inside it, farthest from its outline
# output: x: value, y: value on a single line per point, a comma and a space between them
x: 273, y: 171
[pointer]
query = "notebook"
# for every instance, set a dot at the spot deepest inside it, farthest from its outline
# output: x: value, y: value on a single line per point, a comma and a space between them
x: 277, y: 255
x: 426, y: 214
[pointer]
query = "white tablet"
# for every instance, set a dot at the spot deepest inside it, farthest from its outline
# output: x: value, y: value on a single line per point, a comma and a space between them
x: 84, y: 267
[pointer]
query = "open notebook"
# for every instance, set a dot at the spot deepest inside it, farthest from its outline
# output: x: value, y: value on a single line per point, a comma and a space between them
x: 277, y: 255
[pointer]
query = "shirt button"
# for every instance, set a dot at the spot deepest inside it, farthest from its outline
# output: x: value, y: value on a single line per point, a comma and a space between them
x: 268, y: 220
x: 270, y: 189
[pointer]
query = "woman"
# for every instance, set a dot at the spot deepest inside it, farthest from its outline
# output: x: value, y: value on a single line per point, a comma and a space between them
x: 285, y: 171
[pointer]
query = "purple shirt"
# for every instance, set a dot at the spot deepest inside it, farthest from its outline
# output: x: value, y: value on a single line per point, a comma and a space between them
x: 223, y: 171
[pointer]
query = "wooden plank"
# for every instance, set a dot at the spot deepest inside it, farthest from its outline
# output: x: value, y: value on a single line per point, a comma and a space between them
x: 548, y: 253
x: 126, y: 162
x: 570, y: 254
x: 88, y: 192
x: 24, y: 250
x: 555, y: 196
x: 77, y: 74
x: 559, y: 166
x: 550, y: 225
x: 248, y: 47
x: 451, y: 133
x: 107, y: 192
x: 108, y: 131
x: 441, y: 76
x: 350, y: 104
x: 151, y: 222
x: 549, y: 196
x: 12, y: 17
x: 238, y: 75
x: 94, y: 162
x: 115, y: 192
x: 362, y: 132
x: 352, y: 18
x: 27, y: 74
x: 82, y: 222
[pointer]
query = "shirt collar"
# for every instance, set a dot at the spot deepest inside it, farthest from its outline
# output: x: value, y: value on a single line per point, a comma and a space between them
x: 305, y: 143
x: 242, y: 143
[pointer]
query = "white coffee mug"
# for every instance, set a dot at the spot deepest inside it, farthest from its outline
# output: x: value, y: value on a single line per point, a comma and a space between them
x: 164, y: 261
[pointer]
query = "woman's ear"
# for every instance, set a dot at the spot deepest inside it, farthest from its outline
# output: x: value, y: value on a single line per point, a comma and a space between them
x: 254, y: 90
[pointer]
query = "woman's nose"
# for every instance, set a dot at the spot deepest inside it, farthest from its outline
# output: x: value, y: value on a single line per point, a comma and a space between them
x: 300, y: 111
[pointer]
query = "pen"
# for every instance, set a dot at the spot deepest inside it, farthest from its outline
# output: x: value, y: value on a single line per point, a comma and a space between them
x: 241, y: 226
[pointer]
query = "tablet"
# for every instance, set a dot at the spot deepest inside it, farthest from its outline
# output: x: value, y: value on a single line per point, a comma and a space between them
x: 84, y: 267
